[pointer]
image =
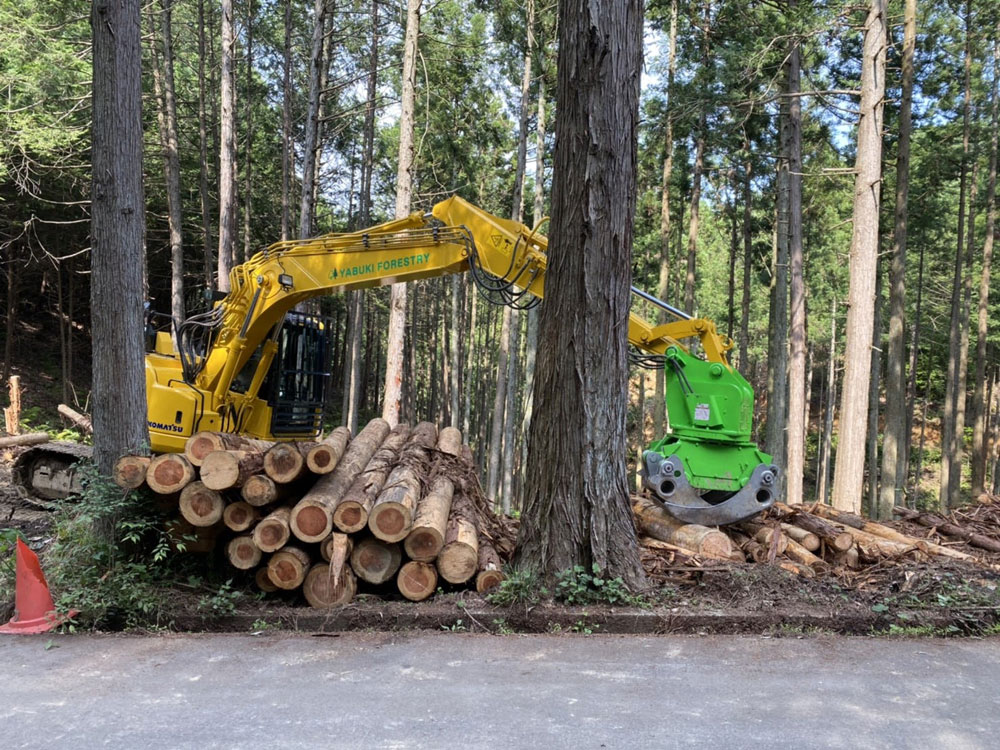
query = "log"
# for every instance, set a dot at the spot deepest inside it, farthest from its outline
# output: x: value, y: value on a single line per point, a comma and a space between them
x: 80, y: 420
x: 223, y: 470
x: 450, y: 441
x: 169, y: 473
x: 876, y: 546
x: 260, y: 490
x: 351, y: 513
x: 202, y: 443
x: 375, y: 561
x: 200, y: 505
x: 490, y: 570
x: 800, y: 554
x: 458, y: 560
x: 806, y: 538
x: 320, y: 590
x: 286, y: 462
x: 312, y: 516
x: 263, y: 581
x: 242, y: 552
x: 273, y: 532
x: 240, y: 516
x: 336, y: 550
x: 426, y: 537
x: 130, y: 471
x: 943, y: 526
x: 849, y: 559
x: 797, y: 568
x: 852, y: 522
x: 29, y: 438
x: 654, y: 521
x: 391, y: 516
x: 12, y: 413
x: 417, y: 580
x: 834, y: 537
x: 323, y: 457
x: 287, y: 568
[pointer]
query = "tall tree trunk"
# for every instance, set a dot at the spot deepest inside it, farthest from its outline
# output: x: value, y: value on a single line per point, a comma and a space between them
x: 826, y: 451
x: 699, y: 166
x: 227, y: 150
x: 172, y: 169
x: 206, y: 210
x: 958, y: 450
x: 287, y: 156
x: 981, y: 399
x: 404, y: 189
x: 949, y: 437
x: 911, y: 386
x: 117, y: 233
x: 582, y: 516
x: 663, y: 288
x: 873, y: 391
x: 796, y: 455
x: 775, y: 439
x: 849, y: 474
x: 747, y: 266
x: 248, y: 125
x: 894, y: 439
x: 310, y: 145
x: 500, y: 398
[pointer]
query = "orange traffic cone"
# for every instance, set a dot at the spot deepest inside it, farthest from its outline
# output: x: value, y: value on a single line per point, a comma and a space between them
x: 34, y: 611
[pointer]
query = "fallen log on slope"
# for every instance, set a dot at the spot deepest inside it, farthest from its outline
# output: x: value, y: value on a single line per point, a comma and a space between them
x: 286, y: 462
x: 202, y: 443
x: 312, y: 516
x: 80, y: 420
x: 654, y: 521
x: 426, y: 537
x: 943, y: 526
x: 391, y: 516
x: 351, y: 513
x: 323, y: 457
x: 223, y: 470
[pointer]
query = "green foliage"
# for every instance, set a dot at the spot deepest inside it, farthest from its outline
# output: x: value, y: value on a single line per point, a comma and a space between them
x: 580, y: 586
x: 111, y: 558
x: 35, y: 419
x: 221, y: 602
x: 455, y: 627
x: 520, y: 586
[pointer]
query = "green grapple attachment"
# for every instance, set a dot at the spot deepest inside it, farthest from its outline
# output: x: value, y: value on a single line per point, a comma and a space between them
x: 707, y: 470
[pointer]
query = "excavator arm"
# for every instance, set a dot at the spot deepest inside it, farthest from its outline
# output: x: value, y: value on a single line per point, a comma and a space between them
x: 213, y: 380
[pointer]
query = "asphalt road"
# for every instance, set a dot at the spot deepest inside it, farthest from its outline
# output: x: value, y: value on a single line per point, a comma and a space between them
x: 474, y: 691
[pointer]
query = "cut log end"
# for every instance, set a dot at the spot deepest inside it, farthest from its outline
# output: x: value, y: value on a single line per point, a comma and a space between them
x: 417, y: 580
x: 200, y: 505
x: 169, y: 473
x: 130, y: 471
x: 243, y: 553
x: 350, y: 516
x: 375, y: 561
x: 424, y: 544
x: 239, y: 516
x: 263, y: 581
x: 390, y: 522
x: 488, y: 579
x: 287, y: 568
x: 321, y: 591
x: 311, y: 523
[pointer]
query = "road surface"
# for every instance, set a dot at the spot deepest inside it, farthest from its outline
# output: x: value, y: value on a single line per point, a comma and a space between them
x: 384, y: 690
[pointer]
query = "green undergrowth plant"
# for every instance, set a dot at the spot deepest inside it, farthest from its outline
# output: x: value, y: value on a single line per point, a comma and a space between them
x: 520, y: 587
x: 581, y: 586
x: 112, y: 558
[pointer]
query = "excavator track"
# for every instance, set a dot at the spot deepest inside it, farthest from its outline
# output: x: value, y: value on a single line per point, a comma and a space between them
x: 48, y: 472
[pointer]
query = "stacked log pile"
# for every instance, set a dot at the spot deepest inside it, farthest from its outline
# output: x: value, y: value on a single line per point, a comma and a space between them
x: 395, y: 507
x: 816, y: 539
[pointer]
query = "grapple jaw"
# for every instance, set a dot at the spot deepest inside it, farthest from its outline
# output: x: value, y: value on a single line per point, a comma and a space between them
x: 668, y: 481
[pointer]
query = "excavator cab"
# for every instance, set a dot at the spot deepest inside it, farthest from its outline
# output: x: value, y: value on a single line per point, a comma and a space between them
x: 296, y: 383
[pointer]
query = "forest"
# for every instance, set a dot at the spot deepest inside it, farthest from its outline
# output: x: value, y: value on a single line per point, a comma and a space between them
x: 264, y: 121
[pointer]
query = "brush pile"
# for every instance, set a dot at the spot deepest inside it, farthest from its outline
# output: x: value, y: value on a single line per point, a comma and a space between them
x: 812, y: 540
x: 397, y: 506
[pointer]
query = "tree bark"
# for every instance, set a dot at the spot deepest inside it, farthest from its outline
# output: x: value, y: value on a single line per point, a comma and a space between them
x: 981, y: 398
x: 500, y: 398
x: 582, y: 517
x: 117, y: 234
x: 950, y: 440
x: 426, y: 537
x: 894, y: 438
x: 699, y: 166
x: 796, y: 447
x: 310, y: 145
x: 352, y: 512
x: 404, y: 189
x: 206, y: 222
x: 227, y: 151
x: 172, y: 169
x: 287, y: 154
x: 251, y: 12
x: 392, y: 513
x: 849, y: 473
x: 747, y: 265
x: 873, y: 391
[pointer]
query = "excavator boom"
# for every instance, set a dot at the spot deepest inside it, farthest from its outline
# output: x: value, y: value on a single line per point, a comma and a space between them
x: 220, y: 375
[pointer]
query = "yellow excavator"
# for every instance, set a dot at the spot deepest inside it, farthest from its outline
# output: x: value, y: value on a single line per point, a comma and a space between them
x: 252, y: 365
